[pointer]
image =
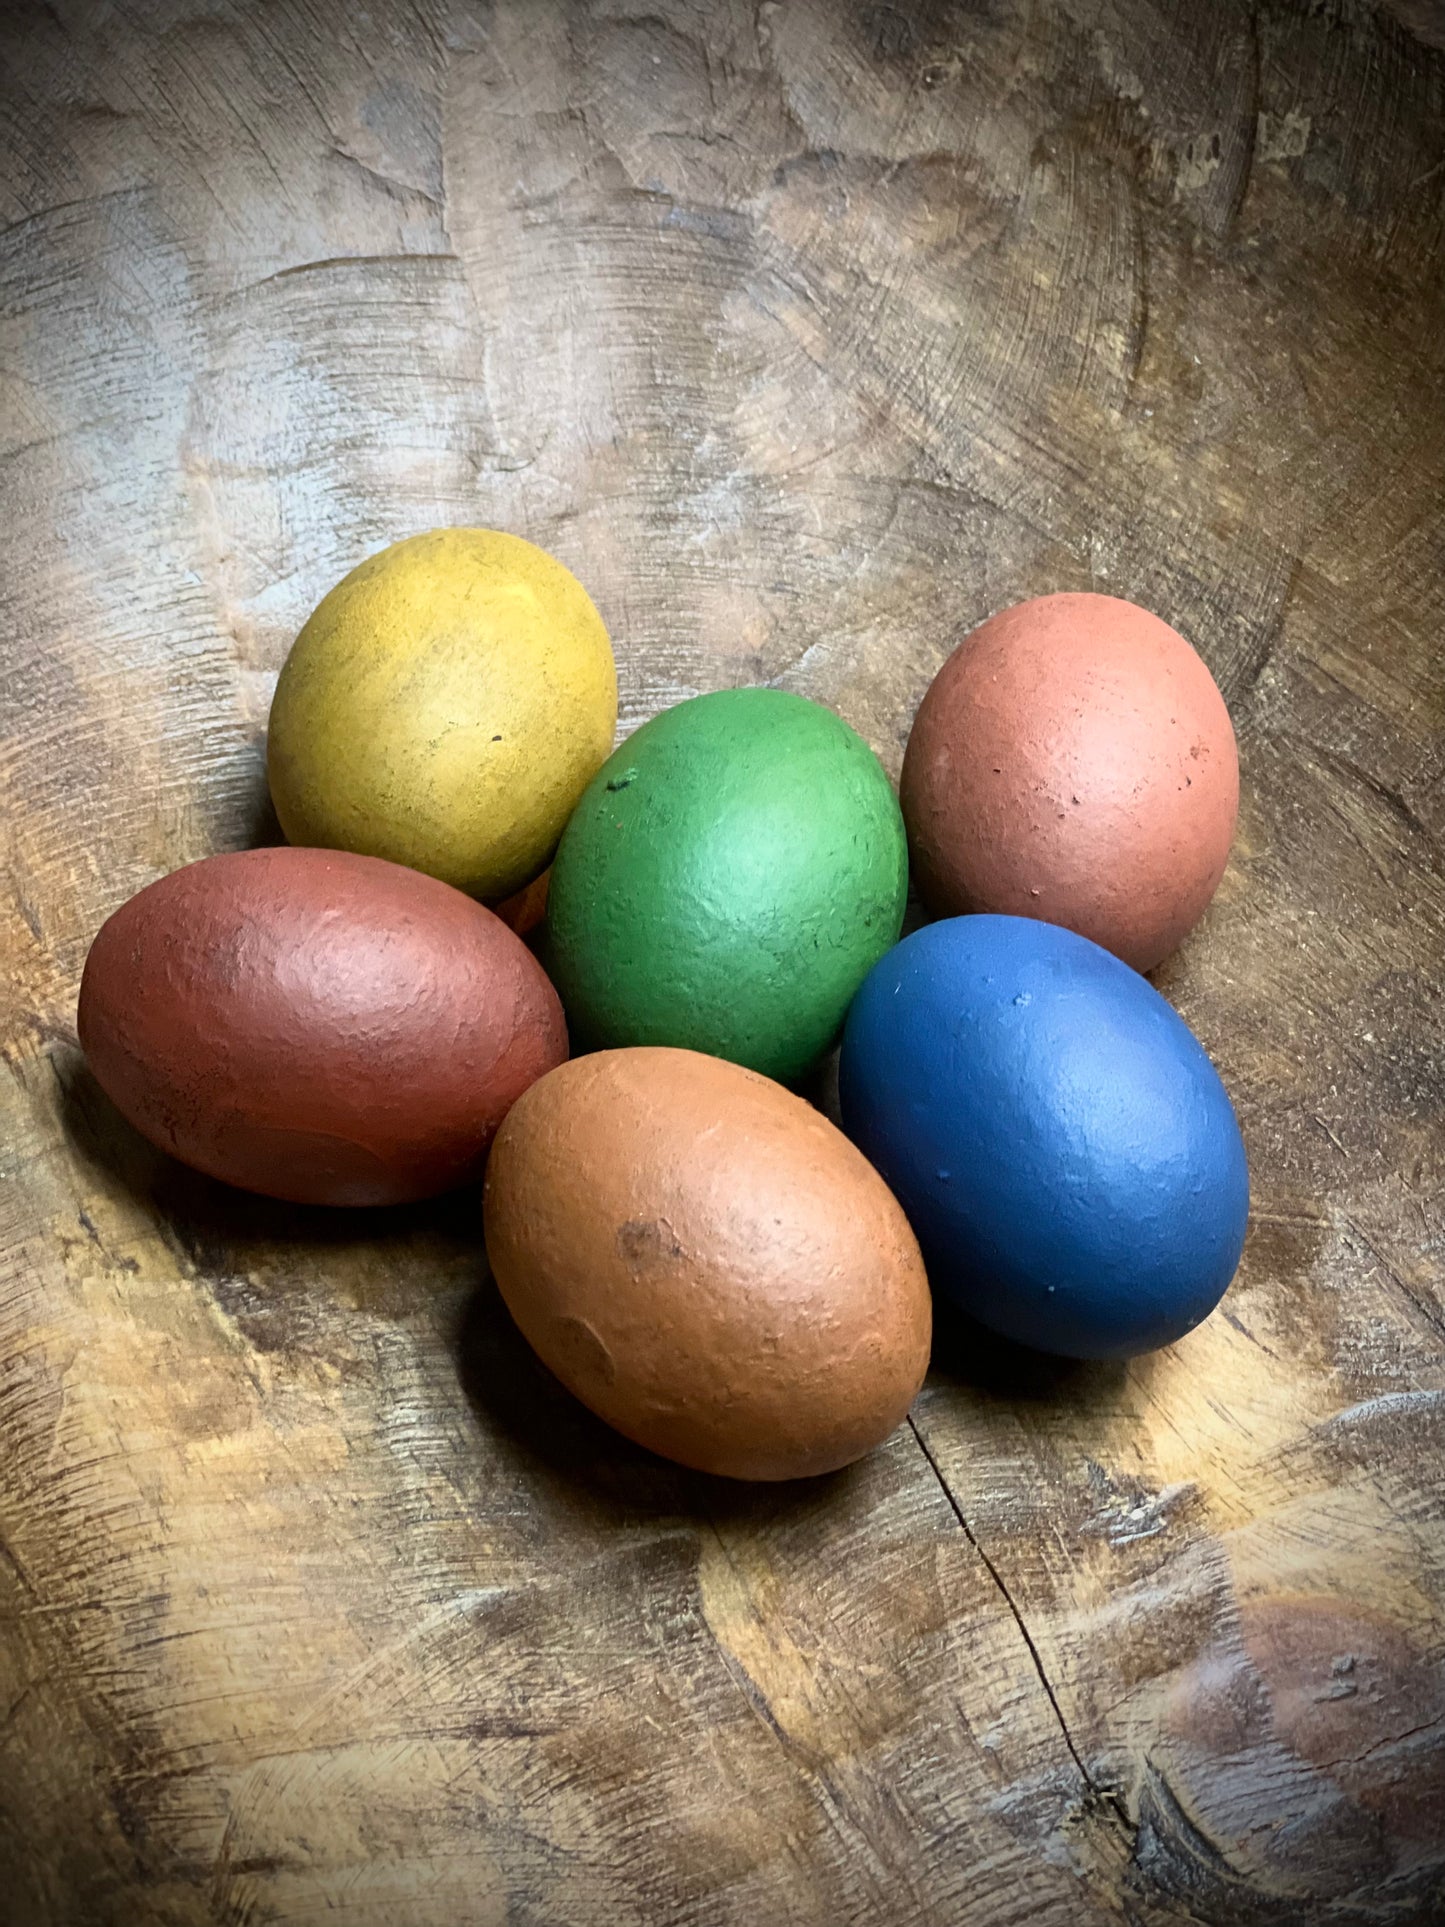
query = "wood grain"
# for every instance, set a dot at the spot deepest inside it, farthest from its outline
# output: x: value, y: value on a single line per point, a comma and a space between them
x: 808, y: 333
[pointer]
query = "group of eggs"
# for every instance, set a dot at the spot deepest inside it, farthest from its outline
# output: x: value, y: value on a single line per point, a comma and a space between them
x: 694, y: 1249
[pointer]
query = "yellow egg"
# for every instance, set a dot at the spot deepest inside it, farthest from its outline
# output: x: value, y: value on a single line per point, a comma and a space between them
x: 444, y: 707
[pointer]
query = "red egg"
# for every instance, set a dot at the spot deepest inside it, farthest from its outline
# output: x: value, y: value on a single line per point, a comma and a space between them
x: 315, y: 1025
x: 1074, y: 761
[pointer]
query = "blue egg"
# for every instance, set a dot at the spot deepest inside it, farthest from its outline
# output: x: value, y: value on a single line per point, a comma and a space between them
x: 1063, y: 1146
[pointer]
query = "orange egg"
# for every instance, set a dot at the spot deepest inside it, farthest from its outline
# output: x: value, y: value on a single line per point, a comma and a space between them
x: 708, y: 1263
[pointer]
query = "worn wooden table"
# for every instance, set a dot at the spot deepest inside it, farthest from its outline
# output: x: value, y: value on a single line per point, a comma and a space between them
x: 807, y: 333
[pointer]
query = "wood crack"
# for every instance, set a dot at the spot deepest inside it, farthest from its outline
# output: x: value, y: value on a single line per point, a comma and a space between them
x: 389, y: 183
x: 1091, y: 1785
x: 16, y: 1565
x: 345, y: 261
x: 1415, y: 1301
x: 1390, y: 1740
x: 1394, y: 799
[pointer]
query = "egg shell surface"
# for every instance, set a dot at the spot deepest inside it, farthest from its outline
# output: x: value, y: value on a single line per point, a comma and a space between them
x: 1073, y: 760
x: 727, y: 881
x: 316, y: 1025
x: 444, y: 706
x: 708, y: 1263
x: 1056, y: 1133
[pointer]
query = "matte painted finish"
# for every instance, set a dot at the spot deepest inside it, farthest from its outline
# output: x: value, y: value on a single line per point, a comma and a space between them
x: 444, y: 707
x: 311, y: 1635
x: 702, y: 1258
x: 316, y: 1025
x: 1060, y: 1141
x: 731, y: 875
x: 1074, y: 760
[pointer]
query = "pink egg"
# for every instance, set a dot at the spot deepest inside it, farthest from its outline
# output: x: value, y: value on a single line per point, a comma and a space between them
x: 1074, y: 761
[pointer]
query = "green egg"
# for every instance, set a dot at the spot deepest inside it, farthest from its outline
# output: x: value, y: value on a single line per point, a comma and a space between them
x: 730, y: 876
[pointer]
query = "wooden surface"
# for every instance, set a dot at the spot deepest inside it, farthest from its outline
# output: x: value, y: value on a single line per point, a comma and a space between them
x: 808, y: 333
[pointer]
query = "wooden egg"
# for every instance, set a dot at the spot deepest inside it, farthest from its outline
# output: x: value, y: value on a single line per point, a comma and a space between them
x: 727, y: 881
x: 444, y: 707
x: 1074, y: 761
x: 706, y: 1262
x: 1061, y: 1143
x: 316, y: 1025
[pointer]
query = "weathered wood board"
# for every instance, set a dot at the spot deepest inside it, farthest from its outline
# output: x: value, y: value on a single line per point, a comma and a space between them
x: 807, y: 333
